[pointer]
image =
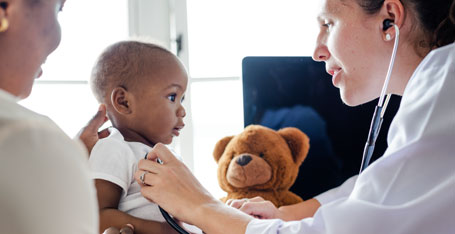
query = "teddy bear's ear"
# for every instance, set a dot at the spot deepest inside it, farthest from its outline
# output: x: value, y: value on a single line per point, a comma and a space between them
x: 298, y: 142
x: 220, y: 147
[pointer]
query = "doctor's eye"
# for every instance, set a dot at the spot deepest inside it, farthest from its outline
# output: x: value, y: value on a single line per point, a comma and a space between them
x: 183, y: 98
x: 171, y: 97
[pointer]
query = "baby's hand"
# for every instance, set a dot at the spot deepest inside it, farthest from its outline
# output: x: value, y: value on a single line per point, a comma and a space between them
x: 256, y: 207
x: 89, y: 134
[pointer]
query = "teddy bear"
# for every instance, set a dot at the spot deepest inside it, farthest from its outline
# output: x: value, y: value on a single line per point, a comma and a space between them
x: 261, y: 162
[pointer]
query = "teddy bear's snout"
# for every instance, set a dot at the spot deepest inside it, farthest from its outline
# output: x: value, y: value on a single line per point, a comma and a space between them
x: 243, y: 160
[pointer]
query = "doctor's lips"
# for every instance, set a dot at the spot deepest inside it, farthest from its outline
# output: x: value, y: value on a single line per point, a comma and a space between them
x: 333, y: 71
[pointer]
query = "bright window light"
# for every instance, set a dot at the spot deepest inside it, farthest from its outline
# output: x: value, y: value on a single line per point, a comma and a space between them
x: 221, y: 33
x: 62, y: 93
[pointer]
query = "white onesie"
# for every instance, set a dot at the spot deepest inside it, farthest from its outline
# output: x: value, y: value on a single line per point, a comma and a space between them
x: 115, y: 160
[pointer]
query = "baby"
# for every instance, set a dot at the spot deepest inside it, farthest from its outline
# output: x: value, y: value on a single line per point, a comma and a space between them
x: 143, y: 86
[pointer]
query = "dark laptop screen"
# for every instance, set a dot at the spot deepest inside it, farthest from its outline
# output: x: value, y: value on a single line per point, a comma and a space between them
x: 296, y: 91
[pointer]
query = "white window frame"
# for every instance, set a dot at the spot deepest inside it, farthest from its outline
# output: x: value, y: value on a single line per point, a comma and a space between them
x: 163, y: 21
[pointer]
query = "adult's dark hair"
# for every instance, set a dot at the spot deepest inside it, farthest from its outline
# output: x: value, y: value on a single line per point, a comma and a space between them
x: 437, y: 18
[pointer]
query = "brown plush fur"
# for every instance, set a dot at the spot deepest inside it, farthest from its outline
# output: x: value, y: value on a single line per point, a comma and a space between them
x: 261, y: 162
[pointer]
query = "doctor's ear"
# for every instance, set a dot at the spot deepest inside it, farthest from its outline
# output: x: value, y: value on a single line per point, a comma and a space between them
x: 4, y: 23
x: 388, y: 23
x: 392, y: 12
x: 121, y: 100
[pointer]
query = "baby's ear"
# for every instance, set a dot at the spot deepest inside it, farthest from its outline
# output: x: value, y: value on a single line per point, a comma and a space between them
x: 298, y: 142
x: 120, y: 99
x: 220, y: 147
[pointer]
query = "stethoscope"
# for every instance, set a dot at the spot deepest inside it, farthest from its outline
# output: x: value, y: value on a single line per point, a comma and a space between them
x: 171, y: 221
x: 379, y: 111
x: 376, y: 123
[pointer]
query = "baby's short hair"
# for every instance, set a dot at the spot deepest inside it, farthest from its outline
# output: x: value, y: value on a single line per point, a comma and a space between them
x: 124, y: 64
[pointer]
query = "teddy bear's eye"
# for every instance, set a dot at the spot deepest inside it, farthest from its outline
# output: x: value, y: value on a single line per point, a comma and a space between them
x: 261, y: 155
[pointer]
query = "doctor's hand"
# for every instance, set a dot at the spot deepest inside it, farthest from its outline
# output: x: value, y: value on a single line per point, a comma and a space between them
x: 256, y: 207
x: 89, y: 134
x: 172, y: 186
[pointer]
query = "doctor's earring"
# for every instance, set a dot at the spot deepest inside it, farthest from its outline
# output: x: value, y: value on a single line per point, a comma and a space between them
x: 388, y: 37
x: 4, y: 24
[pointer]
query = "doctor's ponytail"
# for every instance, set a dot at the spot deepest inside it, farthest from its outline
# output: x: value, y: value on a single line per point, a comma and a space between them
x: 436, y: 18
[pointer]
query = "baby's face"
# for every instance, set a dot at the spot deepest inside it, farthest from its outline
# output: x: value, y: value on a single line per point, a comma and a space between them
x: 158, y: 111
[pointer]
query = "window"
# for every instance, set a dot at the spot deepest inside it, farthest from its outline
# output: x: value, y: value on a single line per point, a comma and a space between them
x: 220, y: 34
x: 62, y: 93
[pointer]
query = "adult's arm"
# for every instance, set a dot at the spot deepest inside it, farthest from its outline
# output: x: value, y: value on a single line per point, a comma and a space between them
x: 260, y: 208
x: 172, y: 186
x: 263, y: 209
x: 45, y: 180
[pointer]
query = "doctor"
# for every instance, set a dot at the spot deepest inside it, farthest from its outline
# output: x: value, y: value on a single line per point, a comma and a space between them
x: 411, y: 189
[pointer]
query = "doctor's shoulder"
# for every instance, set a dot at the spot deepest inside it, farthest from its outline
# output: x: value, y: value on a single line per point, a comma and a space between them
x: 442, y: 57
x: 438, y: 66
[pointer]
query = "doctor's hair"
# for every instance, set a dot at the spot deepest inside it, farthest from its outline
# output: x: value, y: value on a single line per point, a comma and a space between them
x: 126, y: 64
x: 436, y: 18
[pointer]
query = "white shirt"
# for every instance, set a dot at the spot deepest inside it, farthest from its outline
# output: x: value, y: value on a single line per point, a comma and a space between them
x: 115, y: 160
x: 411, y: 189
x: 44, y: 178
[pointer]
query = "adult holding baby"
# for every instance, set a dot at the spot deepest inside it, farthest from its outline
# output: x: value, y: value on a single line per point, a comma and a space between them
x: 44, y: 178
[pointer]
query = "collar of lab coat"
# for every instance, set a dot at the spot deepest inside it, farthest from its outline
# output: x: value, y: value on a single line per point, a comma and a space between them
x: 427, y: 109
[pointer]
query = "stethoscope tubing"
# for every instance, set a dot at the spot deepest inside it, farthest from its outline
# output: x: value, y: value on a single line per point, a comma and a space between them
x: 171, y: 221
x: 379, y: 111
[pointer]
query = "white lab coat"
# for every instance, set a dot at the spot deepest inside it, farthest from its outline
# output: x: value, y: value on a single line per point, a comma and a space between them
x: 45, y: 184
x: 411, y: 189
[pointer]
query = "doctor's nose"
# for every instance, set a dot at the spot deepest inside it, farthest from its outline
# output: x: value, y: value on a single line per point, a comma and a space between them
x: 321, y: 53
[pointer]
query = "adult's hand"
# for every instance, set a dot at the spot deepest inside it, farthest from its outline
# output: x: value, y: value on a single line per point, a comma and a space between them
x: 260, y: 208
x: 256, y: 207
x: 89, y: 134
x: 172, y: 185
x: 127, y: 229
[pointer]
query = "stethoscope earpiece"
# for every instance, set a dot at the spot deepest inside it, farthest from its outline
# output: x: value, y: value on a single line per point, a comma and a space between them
x: 387, y: 24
